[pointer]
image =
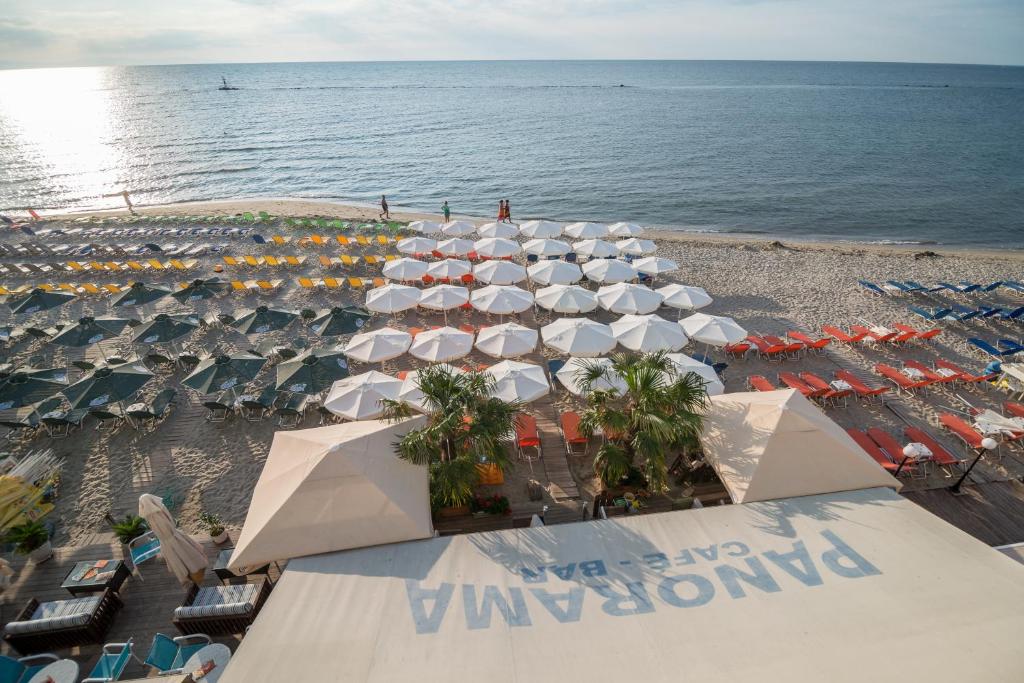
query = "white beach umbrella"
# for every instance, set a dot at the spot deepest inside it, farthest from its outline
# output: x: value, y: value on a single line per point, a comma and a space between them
x: 571, y: 373
x: 714, y: 330
x: 636, y: 246
x: 449, y: 269
x: 501, y: 299
x: 647, y: 333
x: 499, y: 272
x: 684, y: 364
x: 566, y: 299
x: 595, y: 249
x: 416, y: 245
x: 578, y: 337
x: 378, y: 345
x: 405, y: 269
x: 554, y: 273
x: 458, y: 228
x: 684, y: 296
x: 443, y: 297
x: 359, y: 397
x: 455, y: 246
x: 607, y: 270
x: 497, y: 230
x: 184, y: 555
x: 507, y: 341
x: 655, y: 265
x: 515, y: 381
x: 625, y: 230
x: 496, y: 247
x: 628, y: 298
x: 546, y: 247
x: 540, y: 229
x: 425, y: 227
x: 586, y: 231
x: 392, y: 298
x: 442, y: 344
x: 410, y: 392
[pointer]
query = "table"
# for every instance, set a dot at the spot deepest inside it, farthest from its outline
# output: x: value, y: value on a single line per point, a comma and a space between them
x: 219, y: 654
x: 61, y: 671
x: 946, y: 372
x: 840, y: 385
x: 918, y: 451
x: 111, y: 576
x: 913, y: 373
x: 1015, y: 370
x: 220, y: 567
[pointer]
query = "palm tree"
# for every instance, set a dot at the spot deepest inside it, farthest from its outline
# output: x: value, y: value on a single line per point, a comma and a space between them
x: 464, y: 428
x: 659, y: 411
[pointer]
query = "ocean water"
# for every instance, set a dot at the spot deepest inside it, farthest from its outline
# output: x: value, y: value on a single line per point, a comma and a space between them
x: 850, y: 151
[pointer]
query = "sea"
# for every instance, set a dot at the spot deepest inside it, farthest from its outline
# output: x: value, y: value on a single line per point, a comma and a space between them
x: 872, y: 152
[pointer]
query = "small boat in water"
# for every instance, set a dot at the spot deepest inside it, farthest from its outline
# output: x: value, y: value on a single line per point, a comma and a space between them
x: 226, y: 86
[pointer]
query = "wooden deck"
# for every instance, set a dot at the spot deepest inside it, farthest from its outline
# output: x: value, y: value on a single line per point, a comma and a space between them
x: 992, y: 512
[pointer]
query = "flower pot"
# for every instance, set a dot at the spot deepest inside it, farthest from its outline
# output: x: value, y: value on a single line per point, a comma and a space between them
x: 222, y: 537
x: 458, y: 511
x: 42, y: 553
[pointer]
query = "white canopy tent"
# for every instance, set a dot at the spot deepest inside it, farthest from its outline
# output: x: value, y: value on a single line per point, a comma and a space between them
x: 501, y: 299
x: 684, y: 297
x: 425, y: 227
x: 455, y: 246
x: 655, y: 265
x: 392, y: 298
x: 684, y: 364
x: 443, y: 297
x: 449, y: 268
x: 647, y: 333
x: 625, y: 230
x: 635, y: 246
x: 625, y: 298
x: 496, y: 247
x: 595, y: 248
x: 586, y: 231
x: 458, y: 228
x: 546, y: 247
x: 714, y: 330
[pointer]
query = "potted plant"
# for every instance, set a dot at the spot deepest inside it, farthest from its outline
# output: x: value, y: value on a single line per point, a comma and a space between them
x: 491, y: 505
x: 129, y: 528
x: 214, y: 526
x: 31, y: 539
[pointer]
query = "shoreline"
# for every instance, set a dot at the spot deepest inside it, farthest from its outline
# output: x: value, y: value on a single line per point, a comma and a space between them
x: 296, y: 207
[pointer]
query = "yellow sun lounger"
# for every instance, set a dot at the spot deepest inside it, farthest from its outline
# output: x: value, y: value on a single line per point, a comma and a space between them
x: 90, y: 288
x: 268, y: 286
x: 277, y: 239
x: 343, y: 241
x: 75, y: 265
x: 180, y: 265
x: 252, y: 261
x: 113, y: 266
x: 230, y: 261
x: 390, y: 257
x: 112, y: 288
x: 238, y: 286
x: 68, y: 287
x: 326, y: 261
x: 294, y: 260
x: 383, y: 239
x: 271, y: 261
x: 317, y: 239
x: 135, y: 265
x: 349, y: 260
x: 355, y: 282
x: 96, y: 265
x: 306, y: 283
x: 371, y: 259
x: 154, y: 264
x: 331, y: 283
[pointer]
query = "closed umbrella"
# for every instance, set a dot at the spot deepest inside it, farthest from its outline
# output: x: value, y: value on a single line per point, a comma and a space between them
x: 496, y: 247
x: 571, y: 375
x: 554, y: 273
x: 88, y: 331
x: 458, y: 228
x: 625, y: 230
x: 595, y: 249
x: 546, y: 247
x: 359, y: 397
x: 312, y: 372
x: 405, y: 269
x: 516, y: 382
x: 648, y: 333
x: 26, y: 386
x: 221, y: 373
x: 578, y: 337
x: 499, y: 272
x: 378, y: 345
x: 636, y: 247
x: 392, y: 298
x: 442, y: 344
x: 411, y: 393
x: 684, y: 297
x: 449, y: 269
x: 455, y: 246
x: 425, y: 227
x: 566, y: 299
x: 444, y: 298
x: 498, y: 230
x: 199, y: 290
x: 107, y: 384
x: 609, y: 271
x: 340, y: 320
x: 654, y: 265
x: 501, y: 299
x: 140, y: 294
x: 714, y: 330
x: 507, y: 341
x: 685, y: 364
x: 263, y: 319
x: 38, y: 300
x: 540, y: 229
x: 163, y: 328
x: 184, y: 556
x: 628, y: 298
x: 586, y: 231
x: 416, y: 245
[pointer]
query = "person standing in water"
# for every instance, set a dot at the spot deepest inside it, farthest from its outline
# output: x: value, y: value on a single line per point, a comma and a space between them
x: 446, y: 211
x: 508, y: 211
x: 501, y: 210
x: 384, y: 208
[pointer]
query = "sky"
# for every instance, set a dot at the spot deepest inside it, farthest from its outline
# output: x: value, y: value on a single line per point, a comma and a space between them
x: 41, y: 33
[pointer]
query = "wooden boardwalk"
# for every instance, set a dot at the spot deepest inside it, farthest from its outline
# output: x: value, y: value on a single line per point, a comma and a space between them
x: 992, y: 512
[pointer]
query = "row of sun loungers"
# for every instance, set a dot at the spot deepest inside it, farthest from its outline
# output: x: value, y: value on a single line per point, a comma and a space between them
x: 142, y: 231
x: 916, y: 376
x: 814, y: 387
x: 886, y: 450
x: 962, y: 314
x: 911, y: 287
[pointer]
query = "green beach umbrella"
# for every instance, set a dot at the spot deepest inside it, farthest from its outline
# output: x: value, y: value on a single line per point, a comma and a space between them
x: 340, y: 320
x: 89, y: 331
x: 262, y: 319
x: 312, y: 372
x: 107, y: 384
x: 26, y: 386
x: 39, y: 300
x: 163, y: 328
x: 221, y: 373
x: 198, y: 290
x: 140, y: 294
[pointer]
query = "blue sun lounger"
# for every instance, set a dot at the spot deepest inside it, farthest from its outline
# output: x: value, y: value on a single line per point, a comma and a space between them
x: 1015, y: 314
x: 872, y: 287
x: 993, y: 286
x: 987, y: 348
x: 1010, y: 346
x: 963, y: 313
x: 902, y: 286
x: 969, y: 287
x: 930, y: 316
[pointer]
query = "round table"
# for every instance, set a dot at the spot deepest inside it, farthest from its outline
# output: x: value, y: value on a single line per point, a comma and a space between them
x: 61, y: 671
x: 220, y: 654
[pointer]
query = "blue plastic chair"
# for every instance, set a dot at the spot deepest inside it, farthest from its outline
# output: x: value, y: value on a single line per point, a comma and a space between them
x: 142, y: 548
x: 554, y: 366
x: 532, y: 258
x: 23, y: 669
x: 168, y: 655
x: 570, y: 257
x: 111, y: 663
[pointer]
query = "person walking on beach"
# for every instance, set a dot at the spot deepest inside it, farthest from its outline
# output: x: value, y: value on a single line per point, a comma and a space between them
x: 508, y: 211
x: 446, y: 211
x: 501, y: 210
x: 384, y: 208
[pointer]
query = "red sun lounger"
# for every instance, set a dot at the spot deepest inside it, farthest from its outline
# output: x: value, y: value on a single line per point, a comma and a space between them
x: 962, y: 374
x: 901, y: 381
x: 875, y: 336
x: 794, y: 382
x: 811, y: 343
x: 1013, y: 409
x: 841, y: 336
x: 569, y: 423
x: 826, y: 391
x: 737, y: 350
x: 760, y: 383
x: 931, y: 375
x: 919, y: 336
x: 940, y: 456
x: 872, y: 449
x: 962, y: 429
x: 766, y: 349
x: 862, y: 390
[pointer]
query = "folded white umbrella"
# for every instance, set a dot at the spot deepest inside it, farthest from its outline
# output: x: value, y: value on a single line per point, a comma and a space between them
x: 586, y: 231
x: 595, y: 249
x: 458, y: 228
x: 378, y: 345
x: 425, y: 227
x: 443, y: 297
x: 442, y: 344
x: 515, y: 381
x: 546, y: 247
x: 449, y: 269
x: 566, y: 299
x: 625, y: 230
x: 628, y: 298
x: 714, y: 330
x: 455, y: 246
x: 554, y: 273
x: 410, y: 392
x: 684, y: 296
x: 392, y: 298
x: 609, y: 270
x: 416, y: 245
x: 540, y: 229
x: 405, y: 269
x: 578, y: 337
x: 496, y: 247
x: 684, y: 364
x: 570, y: 374
x: 501, y: 299
x: 499, y: 272
x: 655, y: 265
x: 359, y: 397
x: 498, y: 230
x: 648, y: 333
x: 636, y: 246
x: 507, y: 341
x: 184, y: 555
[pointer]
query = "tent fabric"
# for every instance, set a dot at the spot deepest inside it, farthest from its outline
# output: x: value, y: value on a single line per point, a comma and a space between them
x: 804, y: 590
x: 777, y: 444
x: 184, y: 556
x: 332, y: 488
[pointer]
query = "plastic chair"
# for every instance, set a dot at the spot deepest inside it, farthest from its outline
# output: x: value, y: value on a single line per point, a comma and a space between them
x: 142, y: 548
x: 23, y: 669
x: 111, y: 663
x: 168, y: 655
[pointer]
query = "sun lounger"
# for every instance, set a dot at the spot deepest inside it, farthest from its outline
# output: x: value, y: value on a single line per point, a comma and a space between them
x: 962, y: 430
x: 1009, y: 346
x: 892, y: 449
x: 872, y: 288
x: 738, y: 350
x: 766, y: 349
x: 236, y: 608
x: 794, y: 382
x: 527, y: 435
x: 113, y: 660
x: 59, y: 624
x: 940, y: 456
x: 60, y: 424
x: 962, y: 374
x: 255, y: 408
x: 110, y: 417
x: 931, y: 316
x: 840, y: 336
x: 900, y: 286
x: 869, y: 333
x: 220, y: 408
x: 760, y: 383
x: 987, y: 348
x: 918, y: 335
x: 291, y: 413
x: 902, y: 381
x: 569, y: 426
x: 155, y: 410
x: 826, y: 392
x: 872, y: 449
x: 809, y: 342
x: 930, y: 374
